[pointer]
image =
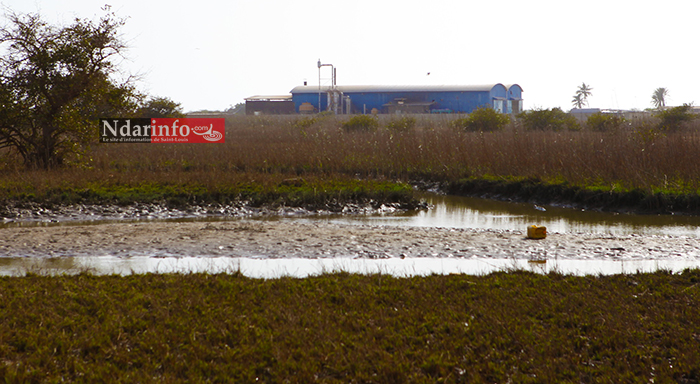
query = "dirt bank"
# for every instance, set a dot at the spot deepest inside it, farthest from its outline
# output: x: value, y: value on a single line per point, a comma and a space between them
x: 282, y: 239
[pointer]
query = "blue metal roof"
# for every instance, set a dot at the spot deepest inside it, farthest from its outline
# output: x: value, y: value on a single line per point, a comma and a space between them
x: 515, y: 91
x: 509, y: 86
x: 455, y: 98
x: 397, y: 88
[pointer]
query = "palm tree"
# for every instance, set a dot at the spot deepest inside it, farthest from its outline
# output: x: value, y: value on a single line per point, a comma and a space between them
x: 658, y: 98
x: 584, y: 91
x: 578, y: 102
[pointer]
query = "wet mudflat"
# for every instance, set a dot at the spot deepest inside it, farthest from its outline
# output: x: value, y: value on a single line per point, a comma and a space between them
x: 291, y: 239
x: 183, y: 246
x: 457, y: 235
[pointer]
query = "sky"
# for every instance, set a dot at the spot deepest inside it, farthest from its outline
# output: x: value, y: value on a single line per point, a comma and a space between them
x: 212, y: 54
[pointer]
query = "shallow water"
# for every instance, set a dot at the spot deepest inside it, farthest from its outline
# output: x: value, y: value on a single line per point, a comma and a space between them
x: 468, y: 212
x: 446, y: 212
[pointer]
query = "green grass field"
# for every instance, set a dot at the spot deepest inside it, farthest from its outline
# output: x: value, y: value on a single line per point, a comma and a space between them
x: 339, y: 328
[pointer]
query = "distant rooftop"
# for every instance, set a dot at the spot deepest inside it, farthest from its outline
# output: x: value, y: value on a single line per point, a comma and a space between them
x: 399, y: 88
x: 270, y: 98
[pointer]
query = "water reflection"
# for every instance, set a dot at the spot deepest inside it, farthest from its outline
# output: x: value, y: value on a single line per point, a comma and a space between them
x: 455, y: 212
x: 274, y: 268
x: 467, y: 212
x: 14, y: 266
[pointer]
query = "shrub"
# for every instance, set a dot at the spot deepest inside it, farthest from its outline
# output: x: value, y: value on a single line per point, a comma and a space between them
x: 647, y: 133
x: 548, y: 119
x: 403, y: 124
x: 675, y: 118
x: 307, y: 122
x: 360, y: 123
x: 483, y: 120
x: 604, y: 122
x: 304, y: 123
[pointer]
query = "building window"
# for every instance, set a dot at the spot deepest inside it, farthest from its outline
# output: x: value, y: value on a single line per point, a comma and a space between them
x: 514, y: 106
x: 498, y: 105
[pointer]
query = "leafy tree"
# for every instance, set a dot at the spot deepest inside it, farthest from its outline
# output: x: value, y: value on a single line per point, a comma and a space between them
x: 604, y: 122
x: 658, y: 98
x: 581, y: 96
x: 402, y: 124
x: 239, y: 108
x: 360, y: 123
x: 54, y: 84
x: 675, y: 118
x: 483, y: 120
x: 548, y: 119
x: 160, y: 107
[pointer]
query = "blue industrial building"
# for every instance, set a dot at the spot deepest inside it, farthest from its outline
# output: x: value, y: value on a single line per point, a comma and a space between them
x: 408, y: 99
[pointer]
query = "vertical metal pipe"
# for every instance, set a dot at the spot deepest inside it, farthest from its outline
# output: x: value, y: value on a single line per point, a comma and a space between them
x: 319, y: 85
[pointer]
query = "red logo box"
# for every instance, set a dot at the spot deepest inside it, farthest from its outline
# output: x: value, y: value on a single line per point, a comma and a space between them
x: 195, y: 130
x: 161, y: 130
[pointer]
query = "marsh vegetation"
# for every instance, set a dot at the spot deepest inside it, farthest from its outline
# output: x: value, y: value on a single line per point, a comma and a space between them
x: 338, y: 328
x: 646, y: 164
x: 342, y: 327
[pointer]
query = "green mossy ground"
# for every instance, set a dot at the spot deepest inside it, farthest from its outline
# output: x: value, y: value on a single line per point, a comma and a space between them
x: 294, y: 192
x: 338, y: 328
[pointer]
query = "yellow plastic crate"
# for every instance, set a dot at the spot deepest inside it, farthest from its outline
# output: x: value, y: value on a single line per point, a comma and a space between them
x: 536, y: 232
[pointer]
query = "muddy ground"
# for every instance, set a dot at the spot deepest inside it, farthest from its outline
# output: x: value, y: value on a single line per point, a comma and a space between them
x: 290, y: 239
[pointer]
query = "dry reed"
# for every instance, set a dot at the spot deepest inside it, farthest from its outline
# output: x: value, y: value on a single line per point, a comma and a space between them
x: 634, y: 157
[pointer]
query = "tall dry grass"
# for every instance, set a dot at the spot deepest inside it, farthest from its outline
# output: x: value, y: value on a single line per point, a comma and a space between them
x: 260, y: 147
